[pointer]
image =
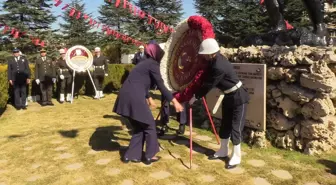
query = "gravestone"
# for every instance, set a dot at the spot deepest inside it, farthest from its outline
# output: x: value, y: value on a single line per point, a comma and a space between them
x: 253, y: 77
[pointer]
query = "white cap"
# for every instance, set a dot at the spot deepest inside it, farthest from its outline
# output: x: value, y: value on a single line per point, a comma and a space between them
x: 62, y: 51
x: 141, y: 47
x: 208, y: 46
x: 20, y: 52
x: 97, y: 49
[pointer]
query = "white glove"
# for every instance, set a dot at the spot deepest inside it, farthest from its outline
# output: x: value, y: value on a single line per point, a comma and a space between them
x: 106, y: 74
x: 37, y: 81
x: 61, y: 77
x: 192, y: 100
x: 54, y: 80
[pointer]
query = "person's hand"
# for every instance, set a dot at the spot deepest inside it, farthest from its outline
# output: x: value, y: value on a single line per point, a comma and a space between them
x: 37, y: 81
x: 28, y: 81
x: 177, y: 105
x: 54, y: 80
x: 62, y: 77
x: 11, y: 82
x: 151, y: 103
x: 106, y: 74
x: 192, y: 100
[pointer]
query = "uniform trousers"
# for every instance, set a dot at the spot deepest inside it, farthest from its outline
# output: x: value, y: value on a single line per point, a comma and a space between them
x: 98, y: 81
x: 182, y: 117
x: 65, y: 85
x: 142, y: 132
x: 233, y: 122
x: 46, y: 90
x: 20, y: 94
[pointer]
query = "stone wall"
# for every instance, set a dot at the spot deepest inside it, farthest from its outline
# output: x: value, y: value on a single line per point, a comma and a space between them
x: 301, y: 96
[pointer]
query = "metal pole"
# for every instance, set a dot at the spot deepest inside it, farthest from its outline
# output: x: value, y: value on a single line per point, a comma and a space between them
x: 190, y: 135
x: 73, y: 85
x: 94, y: 86
x: 210, y: 118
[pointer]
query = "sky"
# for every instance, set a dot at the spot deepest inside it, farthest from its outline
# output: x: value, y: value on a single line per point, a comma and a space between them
x: 92, y: 7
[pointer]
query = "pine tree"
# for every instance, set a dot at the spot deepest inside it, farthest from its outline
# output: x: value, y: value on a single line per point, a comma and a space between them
x: 168, y: 12
x: 77, y: 31
x: 120, y: 20
x: 33, y: 17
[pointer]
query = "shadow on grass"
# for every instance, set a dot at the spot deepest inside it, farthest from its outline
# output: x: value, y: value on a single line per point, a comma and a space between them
x: 331, y: 165
x: 124, y: 121
x: 15, y: 136
x: 69, y: 133
x: 104, y: 139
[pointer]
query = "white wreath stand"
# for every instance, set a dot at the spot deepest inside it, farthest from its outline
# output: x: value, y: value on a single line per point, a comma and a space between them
x: 73, y: 84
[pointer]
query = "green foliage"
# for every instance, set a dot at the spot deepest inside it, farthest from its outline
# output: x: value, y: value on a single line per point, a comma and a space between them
x: 169, y: 12
x: 3, y: 88
x: 33, y: 17
x: 77, y: 31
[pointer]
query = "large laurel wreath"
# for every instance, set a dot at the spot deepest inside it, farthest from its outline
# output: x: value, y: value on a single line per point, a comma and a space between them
x: 197, y: 23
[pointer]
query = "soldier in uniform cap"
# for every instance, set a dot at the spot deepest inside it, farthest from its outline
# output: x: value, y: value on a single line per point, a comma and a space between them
x: 100, y: 70
x: 64, y: 77
x: 45, y: 76
x: 139, y: 56
x: 18, y: 76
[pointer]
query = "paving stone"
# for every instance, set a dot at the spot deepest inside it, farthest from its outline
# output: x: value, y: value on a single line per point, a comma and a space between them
x: 188, y: 150
x: 56, y: 142
x: 28, y: 148
x: 3, y: 161
x: 187, y: 133
x: 113, y: 171
x: 92, y: 152
x: 74, y: 166
x: 207, y: 178
x: 34, y: 178
x: 276, y: 157
x: 62, y: 148
x: 103, y: 161
x: 282, y: 174
x: 260, y: 181
x: 256, y: 163
x: 160, y: 175
x: 127, y: 182
x: 35, y: 166
x: 3, y: 171
x: 311, y: 183
x: 203, y: 138
x: 64, y: 156
x: 3, y: 183
x: 236, y: 170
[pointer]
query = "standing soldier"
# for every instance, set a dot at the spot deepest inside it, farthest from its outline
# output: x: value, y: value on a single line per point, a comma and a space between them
x: 64, y: 77
x: 100, y: 67
x: 18, y: 76
x: 139, y: 56
x: 45, y: 77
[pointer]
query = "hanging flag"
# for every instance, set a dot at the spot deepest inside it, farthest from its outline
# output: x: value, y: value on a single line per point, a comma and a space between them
x: 58, y: 2
x: 125, y: 3
x: 42, y: 44
x: 150, y: 19
x: 72, y: 12
x: 117, y: 3
x: 78, y: 15
x: 16, y: 35
x: 6, y: 29
x: 142, y: 14
x: 65, y: 6
x: 37, y: 41
x: 86, y: 16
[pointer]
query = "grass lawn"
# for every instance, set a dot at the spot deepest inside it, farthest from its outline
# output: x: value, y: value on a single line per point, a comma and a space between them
x: 81, y: 144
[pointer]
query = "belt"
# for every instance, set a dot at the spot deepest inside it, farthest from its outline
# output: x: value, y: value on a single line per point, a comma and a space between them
x: 101, y: 67
x: 234, y: 88
x: 64, y: 70
x: 221, y: 97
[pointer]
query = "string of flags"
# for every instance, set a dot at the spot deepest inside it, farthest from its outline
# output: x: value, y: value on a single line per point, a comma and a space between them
x: 95, y: 24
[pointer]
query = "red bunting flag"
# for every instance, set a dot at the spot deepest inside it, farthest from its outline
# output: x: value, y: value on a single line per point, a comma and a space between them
x: 65, y: 6
x: 78, y: 15
x: 42, y: 44
x: 86, y: 16
x: 72, y: 12
x: 142, y: 14
x: 91, y: 21
x: 165, y: 28
x: 125, y: 3
x: 135, y: 12
x: 36, y: 41
x: 58, y: 2
x: 98, y: 25
x: 150, y: 19
x: 5, y: 29
x: 117, y: 3
x: 16, y: 35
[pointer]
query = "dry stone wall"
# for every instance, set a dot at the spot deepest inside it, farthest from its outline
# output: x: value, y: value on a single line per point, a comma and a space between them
x: 301, y: 95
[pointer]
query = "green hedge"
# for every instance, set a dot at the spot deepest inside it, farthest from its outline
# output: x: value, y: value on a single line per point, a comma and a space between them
x: 117, y: 74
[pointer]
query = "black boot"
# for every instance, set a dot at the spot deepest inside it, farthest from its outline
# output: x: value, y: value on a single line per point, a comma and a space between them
x: 181, y: 129
x: 275, y: 11
x: 163, y: 130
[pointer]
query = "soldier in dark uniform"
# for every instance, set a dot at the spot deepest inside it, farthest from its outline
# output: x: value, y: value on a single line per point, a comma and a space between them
x: 100, y: 70
x: 165, y: 113
x: 45, y: 76
x: 64, y: 77
x: 18, y: 76
x: 139, y: 56
x: 133, y: 102
x: 223, y: 76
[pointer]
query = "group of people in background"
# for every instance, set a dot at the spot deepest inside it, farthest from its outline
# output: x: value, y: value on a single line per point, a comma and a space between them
x: 49, y: 72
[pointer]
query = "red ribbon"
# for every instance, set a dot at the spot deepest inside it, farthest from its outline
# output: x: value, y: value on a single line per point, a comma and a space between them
x: 72, y: 12
x: 58, y: 2
x: 78, y: 15
x: 65, y: 6
x: 117, y: 3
